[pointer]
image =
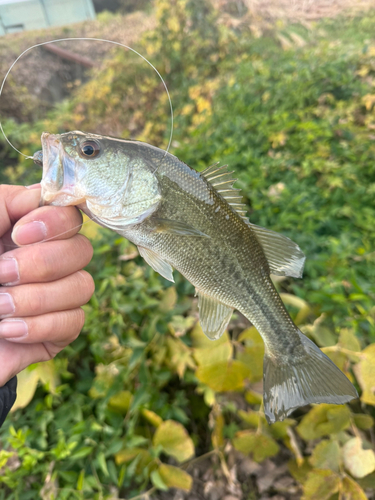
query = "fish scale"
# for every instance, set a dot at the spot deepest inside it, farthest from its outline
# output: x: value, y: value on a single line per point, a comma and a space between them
x: 195, y: 222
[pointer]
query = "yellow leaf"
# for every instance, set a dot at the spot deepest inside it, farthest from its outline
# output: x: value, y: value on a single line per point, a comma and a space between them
x: 252, y: 354
x: 351, y: 490
x: 48, y: 375
x: 180, y: 356
x: 365, y: 373
x: 127, y: 454
x: 217, y: 436
x: 348, y: 340
x: 27, y: 382
x: 320, y: 485
x: 175, y: 478
x: 368, y: 100
x: 253, y: 398
x: 174, y: 440
x: 200, y: 340
x: 259, y: 446
x: 120, y: 402
x: 152, y: 417
x: 224, y: 376
x: 168, y: 300
x: 323, y: 420
x: 357, y: 461
x: 303, y: 308
x: 215, y: 354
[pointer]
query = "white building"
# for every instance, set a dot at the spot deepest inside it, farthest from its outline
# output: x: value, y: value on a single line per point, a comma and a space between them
x: 20, y: 15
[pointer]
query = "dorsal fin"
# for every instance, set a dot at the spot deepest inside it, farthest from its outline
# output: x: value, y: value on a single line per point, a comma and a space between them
x: 284, y: 257
x: 222, y: 180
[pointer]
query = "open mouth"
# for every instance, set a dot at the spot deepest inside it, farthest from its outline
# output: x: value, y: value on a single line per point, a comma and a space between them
x: 59, y: 172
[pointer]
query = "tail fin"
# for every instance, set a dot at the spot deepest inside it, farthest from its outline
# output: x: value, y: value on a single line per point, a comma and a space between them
x: 289, y: 384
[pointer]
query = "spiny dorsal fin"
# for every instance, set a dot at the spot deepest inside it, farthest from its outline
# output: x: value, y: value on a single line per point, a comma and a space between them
x: 213, y: 316
x: 223, y: 181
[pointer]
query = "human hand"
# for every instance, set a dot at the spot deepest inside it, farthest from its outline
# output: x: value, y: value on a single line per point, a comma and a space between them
x: 43, y: 284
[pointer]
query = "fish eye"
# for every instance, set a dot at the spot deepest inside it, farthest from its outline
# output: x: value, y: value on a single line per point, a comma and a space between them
x: 89, y: 149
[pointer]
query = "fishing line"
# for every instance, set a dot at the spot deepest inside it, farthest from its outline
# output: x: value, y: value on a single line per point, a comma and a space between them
x: 14, y: 246
x: 94, y: 40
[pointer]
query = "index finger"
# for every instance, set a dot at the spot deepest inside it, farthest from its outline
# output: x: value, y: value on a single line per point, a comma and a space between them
x: 47, y: 223
x: 15, y: 202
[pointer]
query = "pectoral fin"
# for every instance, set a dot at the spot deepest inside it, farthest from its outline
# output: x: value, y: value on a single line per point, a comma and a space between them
x: 285, y: 257
x: 213, y: 316
x: 175, y: 227
x: 159, y: 265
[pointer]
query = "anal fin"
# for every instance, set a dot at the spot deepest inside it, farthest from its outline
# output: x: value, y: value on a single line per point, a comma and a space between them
x: 213, y: 316
x: 157, y: 263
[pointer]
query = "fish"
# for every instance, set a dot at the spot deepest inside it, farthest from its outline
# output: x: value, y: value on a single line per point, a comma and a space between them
x: 195, y: 222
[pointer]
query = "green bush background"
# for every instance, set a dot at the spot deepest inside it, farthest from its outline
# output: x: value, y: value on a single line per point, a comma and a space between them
x: 291, y: 109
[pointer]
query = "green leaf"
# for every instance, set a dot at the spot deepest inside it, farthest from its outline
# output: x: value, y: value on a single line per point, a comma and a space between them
x: 258, y: 445
x: 326, y: 455
x: 157, y: 481
x: 224, y: 376
x: 323, y: 420
x: 363, y: 421
x: 279, y: 430
x: 357, y: 461
x: 298, y: 470
x: 175, y: 478
x: 174, y: 440
x: 320, y: 485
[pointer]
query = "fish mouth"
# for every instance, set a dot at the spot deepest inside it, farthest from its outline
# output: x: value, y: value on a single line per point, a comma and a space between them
x: 58, y: 180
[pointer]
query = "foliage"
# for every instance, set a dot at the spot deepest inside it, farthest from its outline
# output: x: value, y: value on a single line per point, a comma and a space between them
x: 292, y: 111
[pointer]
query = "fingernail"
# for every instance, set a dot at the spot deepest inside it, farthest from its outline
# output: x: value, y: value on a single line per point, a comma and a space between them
x: 13, y: 328
x: 6, y: 304
x: 9, y: 272
x: 32, y: 232
x: 33, y: 186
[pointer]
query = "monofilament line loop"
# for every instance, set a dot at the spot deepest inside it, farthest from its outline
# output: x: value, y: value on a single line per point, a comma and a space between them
x: 94, y: 40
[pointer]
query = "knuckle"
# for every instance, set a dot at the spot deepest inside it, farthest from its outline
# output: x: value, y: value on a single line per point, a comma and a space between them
x: 86, y: 248
x: 69, y: 217
x: 87, y: 284
x: 75, y: 323
x: 41, y: 262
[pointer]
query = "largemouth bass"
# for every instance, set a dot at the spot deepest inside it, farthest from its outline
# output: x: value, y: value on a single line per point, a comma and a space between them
x: 196, y: 223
